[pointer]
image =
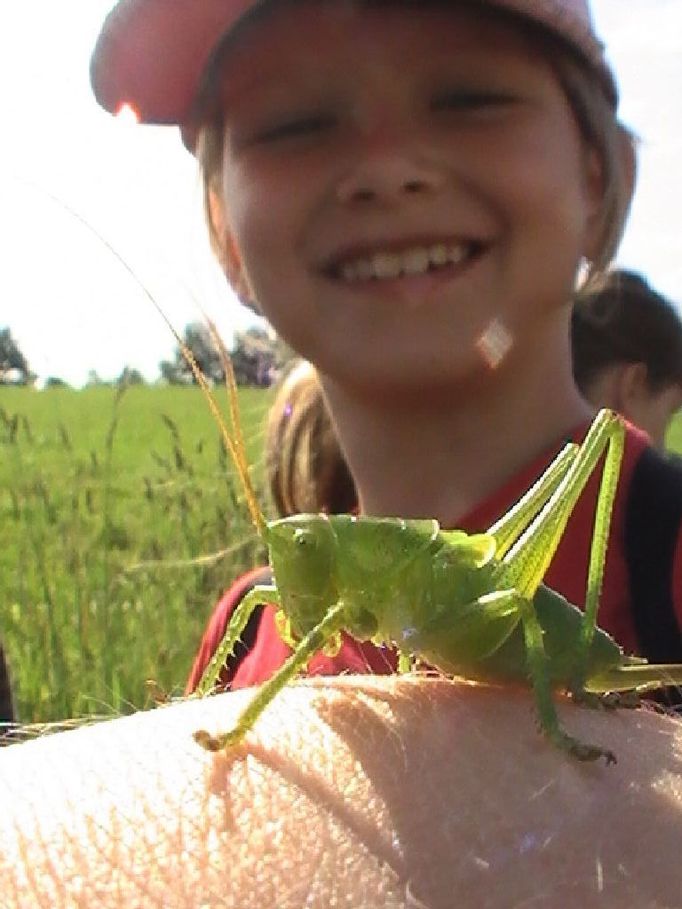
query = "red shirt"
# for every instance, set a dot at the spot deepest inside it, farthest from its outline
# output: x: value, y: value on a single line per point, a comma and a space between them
x: 567, y: 574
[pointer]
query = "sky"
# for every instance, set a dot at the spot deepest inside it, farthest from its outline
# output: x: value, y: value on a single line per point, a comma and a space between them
x: 76, y: 182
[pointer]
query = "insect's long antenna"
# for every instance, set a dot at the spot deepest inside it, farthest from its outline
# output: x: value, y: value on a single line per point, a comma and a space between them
x: 233, y: 443
x: 242, y: 463
x: 237, y: 447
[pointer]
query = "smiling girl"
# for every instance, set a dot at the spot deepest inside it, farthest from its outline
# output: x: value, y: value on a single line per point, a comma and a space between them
x: 409, y: 192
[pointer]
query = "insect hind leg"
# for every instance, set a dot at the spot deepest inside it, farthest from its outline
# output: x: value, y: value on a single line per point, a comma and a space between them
x: 547, y: 713
x: 615, y: 444
x: 526, y: 563
x: 507, y: 529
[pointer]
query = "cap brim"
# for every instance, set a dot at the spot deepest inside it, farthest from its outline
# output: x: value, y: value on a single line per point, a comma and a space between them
x: 151, y: 54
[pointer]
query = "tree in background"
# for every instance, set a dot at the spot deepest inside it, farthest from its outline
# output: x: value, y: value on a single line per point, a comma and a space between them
x: 197, y: 337
x: 255, y: 357
x: 130, y: 376
x: 14, y: 368
x: 94, y: 380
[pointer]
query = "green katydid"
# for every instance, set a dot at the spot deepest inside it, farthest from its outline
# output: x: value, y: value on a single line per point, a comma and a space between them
x: 467, y: 605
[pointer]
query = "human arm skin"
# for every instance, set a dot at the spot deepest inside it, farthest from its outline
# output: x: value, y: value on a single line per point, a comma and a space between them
x: 359, y: 792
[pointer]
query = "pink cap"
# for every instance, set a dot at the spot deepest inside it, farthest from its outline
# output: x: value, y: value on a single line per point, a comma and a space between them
x: 151, y: 54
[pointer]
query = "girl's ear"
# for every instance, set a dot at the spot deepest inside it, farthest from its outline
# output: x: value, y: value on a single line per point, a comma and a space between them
x: 226, y: 249
x: 627, y: 154
x: 594, y: 193
x: 633, y: 389
x: 609, y: 199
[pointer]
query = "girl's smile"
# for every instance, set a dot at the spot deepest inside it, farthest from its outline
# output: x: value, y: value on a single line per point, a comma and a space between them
x: 395, y: 180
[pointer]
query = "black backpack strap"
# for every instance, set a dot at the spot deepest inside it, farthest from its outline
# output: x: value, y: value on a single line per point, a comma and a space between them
x: 248, y: 638
x: 652, y: 529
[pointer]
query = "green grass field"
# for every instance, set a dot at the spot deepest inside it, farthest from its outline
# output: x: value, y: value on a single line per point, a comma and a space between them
x: 105, y: 501
x: 111, y: 508
x: 673, y: 439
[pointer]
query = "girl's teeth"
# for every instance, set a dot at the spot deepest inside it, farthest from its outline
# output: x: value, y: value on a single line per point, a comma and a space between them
x: 387, y: 265
x: 415, y: 261
x: 439, y: 254
x: 456, y: 254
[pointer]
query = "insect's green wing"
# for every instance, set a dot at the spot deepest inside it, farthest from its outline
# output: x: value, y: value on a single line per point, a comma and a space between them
x: 420, y: 585
x: 469, y: 618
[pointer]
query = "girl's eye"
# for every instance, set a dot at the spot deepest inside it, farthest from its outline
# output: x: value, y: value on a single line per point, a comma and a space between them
x: 470, y: 101
x: 296, y: 127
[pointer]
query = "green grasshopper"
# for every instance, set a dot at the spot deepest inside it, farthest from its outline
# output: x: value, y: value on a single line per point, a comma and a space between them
x: 467, y: 605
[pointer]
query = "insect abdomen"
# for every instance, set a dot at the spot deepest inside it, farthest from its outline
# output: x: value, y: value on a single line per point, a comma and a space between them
x: 561, y: 623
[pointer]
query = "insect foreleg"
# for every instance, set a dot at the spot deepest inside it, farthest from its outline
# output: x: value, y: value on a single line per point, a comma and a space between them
x: 537, y: 669
x: 315, y: 640
x: 242, y: 614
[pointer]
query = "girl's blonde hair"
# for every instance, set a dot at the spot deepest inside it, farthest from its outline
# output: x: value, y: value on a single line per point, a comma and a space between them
x: 305, y: 467
x: 593, y: 108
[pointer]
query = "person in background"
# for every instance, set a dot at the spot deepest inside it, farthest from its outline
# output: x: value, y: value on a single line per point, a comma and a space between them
x: 305, y: 467
x: 627, y: 351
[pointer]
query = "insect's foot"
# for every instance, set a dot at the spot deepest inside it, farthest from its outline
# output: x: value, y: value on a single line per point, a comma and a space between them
x: 206, y: 740
x: 584, y: 752
x: 609, y: 700
x: 627, y: 700
x: 218, y: 742
x: 581, y: 750
x: 592, y: 700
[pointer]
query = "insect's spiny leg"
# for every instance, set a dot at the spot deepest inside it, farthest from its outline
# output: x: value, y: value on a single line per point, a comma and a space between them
x: 525, y: 564
x: 508, y: 528
x: 547, y: 714
x: 238, y: 622
x: 330, y: 625
x: 600, y: 539
x: 405, y: 662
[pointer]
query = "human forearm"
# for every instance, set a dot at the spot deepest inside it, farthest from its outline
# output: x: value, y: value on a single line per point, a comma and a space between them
x: 355, y: 791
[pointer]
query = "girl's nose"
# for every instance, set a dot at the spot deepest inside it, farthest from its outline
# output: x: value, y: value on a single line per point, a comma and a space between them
x: 388, y: 178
